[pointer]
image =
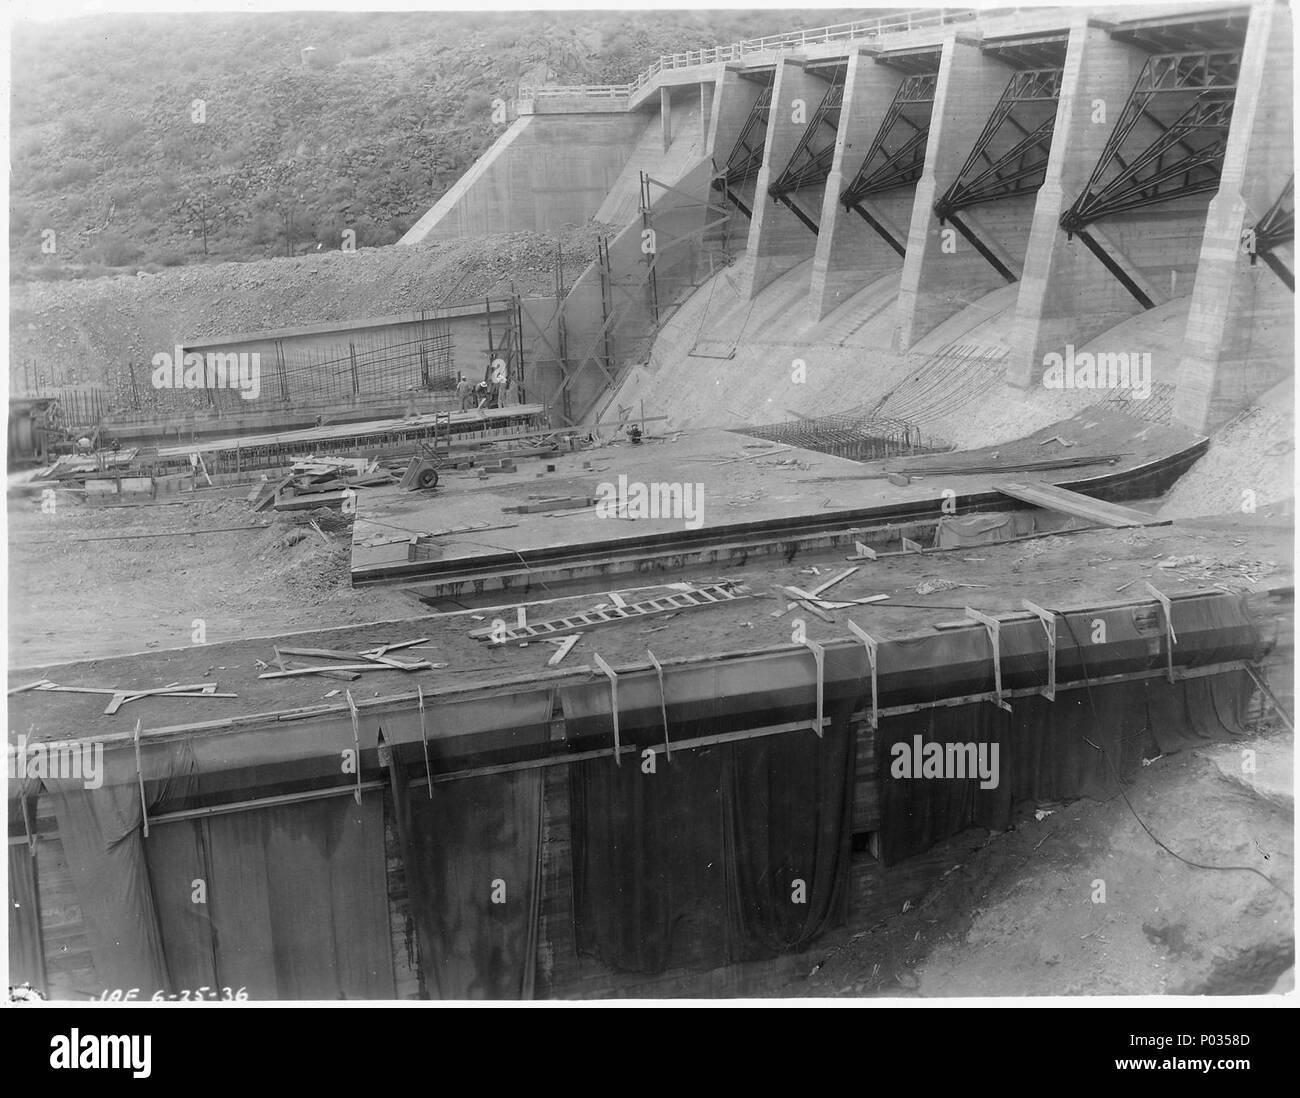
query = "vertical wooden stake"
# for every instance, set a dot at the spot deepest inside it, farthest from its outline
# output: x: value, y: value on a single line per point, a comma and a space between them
x: 663, y: 704
x: 139, y: 774
x: 356, y: 740
x: 869, y: 643
x: 613, y: 701
x: 424, y: 740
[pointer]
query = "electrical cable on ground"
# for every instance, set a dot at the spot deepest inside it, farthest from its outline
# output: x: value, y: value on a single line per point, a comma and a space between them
x: 1119, y: 783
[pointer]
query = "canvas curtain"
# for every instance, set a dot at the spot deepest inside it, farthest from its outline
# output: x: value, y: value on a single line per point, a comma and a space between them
x: 26, y: 946
x: 26, y: 951
x: 1046, y: 751
x: 472, y: 854
x: 295, y: 900
x: 731, y: 852
x: 103, y: 841
x: 296, y: 903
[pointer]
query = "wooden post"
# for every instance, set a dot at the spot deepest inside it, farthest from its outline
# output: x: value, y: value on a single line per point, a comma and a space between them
x: 613, y: 700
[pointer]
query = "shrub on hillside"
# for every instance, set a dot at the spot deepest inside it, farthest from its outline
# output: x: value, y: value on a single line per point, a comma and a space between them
x: 116, y: 251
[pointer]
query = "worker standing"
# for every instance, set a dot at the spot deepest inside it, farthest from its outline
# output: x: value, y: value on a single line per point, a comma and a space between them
x: 464, y: 391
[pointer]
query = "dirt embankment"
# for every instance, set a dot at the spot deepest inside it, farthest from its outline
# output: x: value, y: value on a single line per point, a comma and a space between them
x: 75, y: 599
x: 1084, y: 902
x: 1250, y: 465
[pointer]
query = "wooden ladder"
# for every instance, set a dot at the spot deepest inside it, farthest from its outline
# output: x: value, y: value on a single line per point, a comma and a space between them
x: 679, y: 600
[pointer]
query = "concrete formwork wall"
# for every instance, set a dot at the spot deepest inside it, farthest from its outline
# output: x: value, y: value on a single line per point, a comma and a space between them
x: 544, y: 173
x: 317, y: 367
x: 541, y: 342
x: 681, y: 262
x: 1241, y: 327
x: 936, y: 281
x: 1066, y: 294
x: 850, y: 254
x: 594, y: 351
x: 778, y: 240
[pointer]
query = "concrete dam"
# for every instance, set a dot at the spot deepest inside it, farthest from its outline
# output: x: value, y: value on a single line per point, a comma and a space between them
x: 818, y: 543
x: 965, y: 192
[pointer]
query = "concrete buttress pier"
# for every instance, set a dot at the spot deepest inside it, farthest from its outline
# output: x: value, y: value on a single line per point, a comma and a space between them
x: 1006, y: 185
x: 778, y: 240
x: 1240, y: 332
x: 849, y: 253
x: 939, y: 268
x: 1066, y: 295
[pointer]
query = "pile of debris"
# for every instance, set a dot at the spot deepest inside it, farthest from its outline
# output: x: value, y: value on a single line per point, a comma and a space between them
x: 318, y: 482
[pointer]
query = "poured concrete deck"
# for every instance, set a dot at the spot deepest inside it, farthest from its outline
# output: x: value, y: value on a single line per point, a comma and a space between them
x: 744, y: 489
x: 1082, y: 569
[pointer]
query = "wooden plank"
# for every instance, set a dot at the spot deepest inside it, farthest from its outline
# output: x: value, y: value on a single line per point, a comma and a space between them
x: 1060, y: 499
x: 358, y: 667
x: 565, y: 648
x: 832, y: 582
x: 28, y: 686
x: 376, y: 656
x: 801, y: 599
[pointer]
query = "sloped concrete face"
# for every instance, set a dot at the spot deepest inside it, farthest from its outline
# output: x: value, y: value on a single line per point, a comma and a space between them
x: 849, y: 254
x: 543, y: 173
x: 778, y: 240
x: 943, y: 272
x: 1241, y: 329
x: 1066, y: 295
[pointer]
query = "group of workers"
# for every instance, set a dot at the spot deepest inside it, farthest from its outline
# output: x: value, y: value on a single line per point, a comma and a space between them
x: 482, y: 395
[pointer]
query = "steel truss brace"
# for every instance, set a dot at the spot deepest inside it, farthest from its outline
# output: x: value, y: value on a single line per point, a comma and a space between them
x: 888, y: 164
x: 1273, y: 229
x: 1025, y: 115
x: 1186, y: 156
x: 810, y: 163
x: 747, y: 154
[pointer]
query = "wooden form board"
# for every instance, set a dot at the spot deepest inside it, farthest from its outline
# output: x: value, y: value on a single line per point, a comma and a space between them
x: 1072, y: 503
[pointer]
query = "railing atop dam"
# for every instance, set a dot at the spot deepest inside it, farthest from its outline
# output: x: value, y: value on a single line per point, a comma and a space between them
x: 618, y: 96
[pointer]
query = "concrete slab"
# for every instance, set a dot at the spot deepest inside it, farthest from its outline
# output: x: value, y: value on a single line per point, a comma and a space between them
x: 726, y: 487
x: 1080, y: 570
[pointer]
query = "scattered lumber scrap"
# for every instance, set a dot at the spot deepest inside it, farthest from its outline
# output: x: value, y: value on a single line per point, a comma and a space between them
x: 1096, y: 511
x: 348, y: 665
x: 27, y: 686
x: 804, y: 600
x: 566, y: 646
x: 120, y: 696
x: 758, y: 454
x: 311, y: 500
x: 550, y: 503
x: 318, y: 482
x: 422, y: 665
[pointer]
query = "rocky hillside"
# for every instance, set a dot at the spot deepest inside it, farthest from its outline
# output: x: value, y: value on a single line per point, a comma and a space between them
x: 150, y: 141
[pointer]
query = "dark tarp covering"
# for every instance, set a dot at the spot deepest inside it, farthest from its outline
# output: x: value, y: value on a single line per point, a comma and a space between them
x: 26, y: 945
x: 474, y: 841
x: 696, y: 864
x: 297, y: 904
x: 952, y: 532
x: 790, y: 814
x: 26, y: 955
x: 1044, y: 753
x: 296, y: 895
x: 103, y: 841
